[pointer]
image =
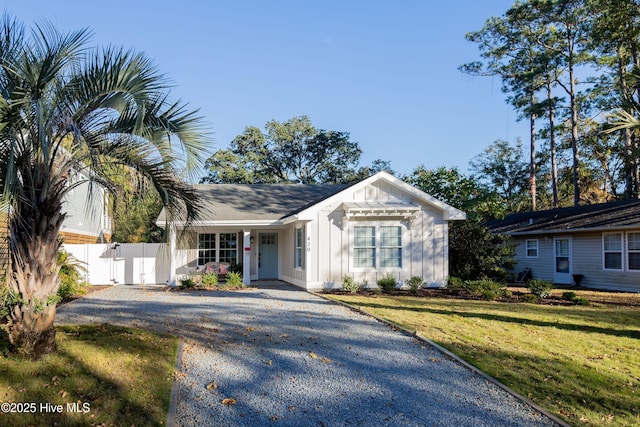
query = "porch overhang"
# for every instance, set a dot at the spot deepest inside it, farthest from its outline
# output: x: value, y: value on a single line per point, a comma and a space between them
x: 379, y: 210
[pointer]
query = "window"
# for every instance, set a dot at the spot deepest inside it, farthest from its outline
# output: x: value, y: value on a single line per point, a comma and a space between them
x: 377, y: 247
x: 206, y: 248
x: 390, y: 247
x: 299, y: 248
x: 532, y: 248
x: 222, y: 247
x: 633, y: 251
x: 364, y: 247
x: 612, y: 251
x: 229, y: 248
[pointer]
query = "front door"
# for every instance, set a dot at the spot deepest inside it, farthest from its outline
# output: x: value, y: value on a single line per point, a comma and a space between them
x: 562, y: 260
x: 268, y: 256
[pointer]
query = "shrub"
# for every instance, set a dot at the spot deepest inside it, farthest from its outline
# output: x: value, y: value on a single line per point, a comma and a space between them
x: 581, y: 301
x: 415, y: 283
x: 348, y: 284
x: 209, y: 280
x: 455, y: 285
x: 188, y: 283
x: 387, y: 283
x: 529, y: 298
x: 540, y: 288
x: 235, y: 268
x: 234, y: 280
x: 485, y: 288
x: 569, y: 296
x: 70, y: 281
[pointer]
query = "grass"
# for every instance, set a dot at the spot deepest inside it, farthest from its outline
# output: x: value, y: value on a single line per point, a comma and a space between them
x: 118, y: 376
x: 581, y: 363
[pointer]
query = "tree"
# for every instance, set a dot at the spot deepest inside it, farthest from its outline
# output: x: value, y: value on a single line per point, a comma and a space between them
x: 290, y: 152
x: 473, y: 251
x: 502, y: 169
x: 66, y: 107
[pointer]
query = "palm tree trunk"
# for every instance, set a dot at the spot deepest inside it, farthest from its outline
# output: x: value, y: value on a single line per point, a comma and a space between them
x: 34, y: 244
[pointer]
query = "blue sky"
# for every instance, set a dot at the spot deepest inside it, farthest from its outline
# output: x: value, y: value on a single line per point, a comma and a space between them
x: 386, y: 72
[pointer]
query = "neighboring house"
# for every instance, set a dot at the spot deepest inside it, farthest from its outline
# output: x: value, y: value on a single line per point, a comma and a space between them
x: 313, y: 235
x: 595, y: 246
x: 87, y: 217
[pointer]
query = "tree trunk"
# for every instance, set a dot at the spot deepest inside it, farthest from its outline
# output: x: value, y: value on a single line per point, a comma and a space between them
x: 34, y: 228
x: 574, y: 133
x: 552, y: 147
x: 532, y: 159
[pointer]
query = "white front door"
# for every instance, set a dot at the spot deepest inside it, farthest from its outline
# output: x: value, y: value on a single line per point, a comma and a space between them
x: 562, y: 260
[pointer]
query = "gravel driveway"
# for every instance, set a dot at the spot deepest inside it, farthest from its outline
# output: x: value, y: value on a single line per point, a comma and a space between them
x: 290, y: 358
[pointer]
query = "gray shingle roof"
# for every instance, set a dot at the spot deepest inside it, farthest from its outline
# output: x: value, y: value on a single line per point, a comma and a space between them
x: 222, y: 202
x: 623, y: 213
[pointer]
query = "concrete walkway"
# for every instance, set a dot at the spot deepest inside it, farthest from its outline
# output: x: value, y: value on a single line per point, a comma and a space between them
x: 290, y: 358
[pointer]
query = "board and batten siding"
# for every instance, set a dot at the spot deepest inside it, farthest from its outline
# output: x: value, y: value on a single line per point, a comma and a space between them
x: 424, y: 242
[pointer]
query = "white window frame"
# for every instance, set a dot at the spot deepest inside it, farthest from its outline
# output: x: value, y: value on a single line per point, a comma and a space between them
x: 214, y: 249
x: 377, y: 225
x: 217, y: 249
x: 526, y: 248
x: 627, y: 251
x: 298, y: 248
x: 620, y: 251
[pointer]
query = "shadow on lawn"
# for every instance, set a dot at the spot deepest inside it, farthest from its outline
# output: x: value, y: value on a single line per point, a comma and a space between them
x: 61, y: 378
x: 562, y: 386
x: 635, y: 334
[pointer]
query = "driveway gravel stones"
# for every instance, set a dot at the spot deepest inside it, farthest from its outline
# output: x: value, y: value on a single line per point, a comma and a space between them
x: 276, y: 355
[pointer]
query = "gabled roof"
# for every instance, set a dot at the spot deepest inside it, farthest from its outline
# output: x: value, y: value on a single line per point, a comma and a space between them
x: 603, y: 216
x: 284, y: 203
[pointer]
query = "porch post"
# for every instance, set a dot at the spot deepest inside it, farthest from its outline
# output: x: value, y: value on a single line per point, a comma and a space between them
x: 246, y: 262
x: 172, y: 254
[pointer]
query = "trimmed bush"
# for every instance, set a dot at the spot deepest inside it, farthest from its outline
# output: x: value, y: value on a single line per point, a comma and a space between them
x: 209, y: 280
x: 540, y: 288
x: 387, y: 283
x: 569, y: 296
x: 188, y: 283
x: 485, y: 288
x: 531, y: 298
x: 415, y: 283
x: 349, y: 285
x: 234, y: 280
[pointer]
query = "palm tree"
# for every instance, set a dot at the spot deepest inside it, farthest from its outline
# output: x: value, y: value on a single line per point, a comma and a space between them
x: 67, y: 107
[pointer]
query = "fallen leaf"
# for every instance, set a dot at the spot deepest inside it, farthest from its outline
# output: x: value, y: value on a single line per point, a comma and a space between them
x: 268, y: 362
x: 229, y: 401
x: 313, y: 355
x: 212, y: 385
x: 325, y: 360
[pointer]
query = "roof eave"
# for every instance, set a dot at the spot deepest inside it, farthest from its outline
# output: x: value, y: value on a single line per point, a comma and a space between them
x: 572, y: 230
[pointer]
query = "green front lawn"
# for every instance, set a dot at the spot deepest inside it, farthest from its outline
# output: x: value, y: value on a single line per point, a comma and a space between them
x: 581, y: 363
x: 101, y: 375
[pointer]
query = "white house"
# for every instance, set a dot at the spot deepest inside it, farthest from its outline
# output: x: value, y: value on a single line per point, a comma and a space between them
x: 313, y: 235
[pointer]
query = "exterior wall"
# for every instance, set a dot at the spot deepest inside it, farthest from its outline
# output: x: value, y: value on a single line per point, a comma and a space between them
x: 86, y: 216
x: 586, y: 258
x: 330, y: 240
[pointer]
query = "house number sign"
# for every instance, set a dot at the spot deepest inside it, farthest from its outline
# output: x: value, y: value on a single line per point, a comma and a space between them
x: 308, y: 244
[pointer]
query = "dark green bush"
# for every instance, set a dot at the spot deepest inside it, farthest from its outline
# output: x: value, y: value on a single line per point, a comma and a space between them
x: 387, y: 283
x: 455, y: 285
x: 415, y: 283
x: 529, y: 298
x: 485, y: 288
x: 569, y: 296
x: 540, y: 288
x: 581, y: 301
x: 188, y: 283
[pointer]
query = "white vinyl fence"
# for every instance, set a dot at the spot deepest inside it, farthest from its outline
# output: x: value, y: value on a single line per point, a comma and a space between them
x: 122, y: 263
